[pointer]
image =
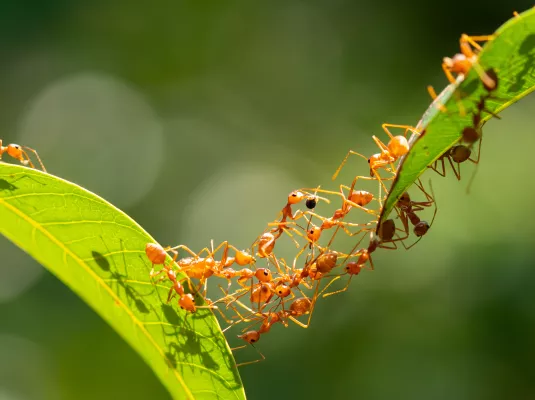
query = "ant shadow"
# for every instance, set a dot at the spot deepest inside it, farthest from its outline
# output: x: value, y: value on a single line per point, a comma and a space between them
x: 119, y: 279
x: 526, y: 49
x: 186, y: 348
x: 11, y: 187
x: 189, y: 344
x: 5, y: 185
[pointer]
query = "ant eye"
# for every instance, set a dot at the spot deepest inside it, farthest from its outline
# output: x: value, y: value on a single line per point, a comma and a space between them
x: 368, y: 160
x: 252, y: 340
x: 266, y: 273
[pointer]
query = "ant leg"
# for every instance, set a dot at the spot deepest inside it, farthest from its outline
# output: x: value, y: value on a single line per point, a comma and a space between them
x: 430, y: 198
x: 406, y: 127
x: 456, y: 171
x: 351, y: 152
x: 25, y: 159
x: 448, y: 73
x: 383, y: 246
x: 380, y: 144
x: 37, y: 156
x: 434, y: 96
x: 381, y: 184
x: 434, y: 167
x: 476, y: 169
x: 171, y: 294
x: 341, y: 290
x: 250, y: 362
x: 472, y: 40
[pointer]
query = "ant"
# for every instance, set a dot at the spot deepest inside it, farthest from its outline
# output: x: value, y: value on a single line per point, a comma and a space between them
x: 201, y: 267
x: 186, y: 301
x: 19, y: 152
x: 456, y: 154
x: 293, y: 198
x: 461, y: 63
x: 353, y: 268
x: 397, y: 147
x: 408, y: 209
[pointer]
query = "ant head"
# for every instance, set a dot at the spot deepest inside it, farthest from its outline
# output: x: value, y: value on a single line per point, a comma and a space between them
x: 448, y: 62
x: 353, y: 268
x: 14, y: 150
x: 361, y: 197
x: 405, y: 199
x: 314, y: 233
x: 398, y: 146
x: 250, y: 337
x: 263, y: 275
x: 295, y: 197
x: 311, y: 202
x: 155, y: 253
x: 282, y: 291
x: 421, y: 228
x: 460, y: 153
x: 187, y: 302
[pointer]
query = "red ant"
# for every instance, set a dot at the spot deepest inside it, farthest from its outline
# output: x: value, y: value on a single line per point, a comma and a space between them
x: 408, y: 209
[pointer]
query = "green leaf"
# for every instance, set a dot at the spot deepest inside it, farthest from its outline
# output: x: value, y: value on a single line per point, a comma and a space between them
x: 512, y: 55
x: 99, y: 252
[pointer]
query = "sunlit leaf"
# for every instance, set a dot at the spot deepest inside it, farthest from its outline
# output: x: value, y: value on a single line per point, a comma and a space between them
x: 98, y: 251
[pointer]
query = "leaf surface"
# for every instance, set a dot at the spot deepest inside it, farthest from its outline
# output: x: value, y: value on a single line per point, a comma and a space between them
x: 99, y: 252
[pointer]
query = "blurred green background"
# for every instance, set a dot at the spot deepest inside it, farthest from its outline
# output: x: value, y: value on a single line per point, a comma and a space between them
x: 198, y: 117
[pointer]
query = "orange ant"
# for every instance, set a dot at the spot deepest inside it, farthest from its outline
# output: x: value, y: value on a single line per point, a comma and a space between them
x: 186, y: 301
x: 19, y: 152
x: 462, y: 62
x: 253, y: 336
x: 397, y: 147
x: 200, y: 267
x: 353, y: 268
x: 293, y: 198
